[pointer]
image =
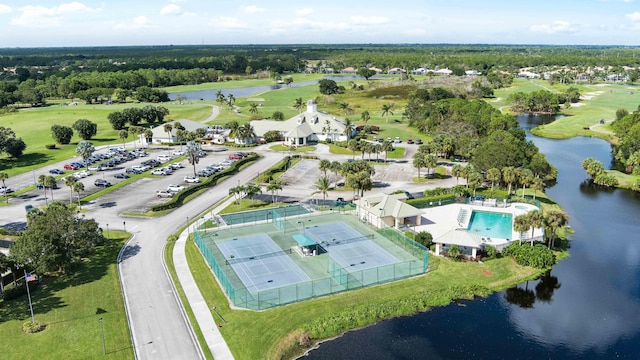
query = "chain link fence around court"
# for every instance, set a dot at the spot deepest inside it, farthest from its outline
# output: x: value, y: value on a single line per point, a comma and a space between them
x: 328, y: 277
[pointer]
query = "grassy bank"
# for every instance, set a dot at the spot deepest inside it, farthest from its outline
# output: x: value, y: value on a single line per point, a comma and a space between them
x: 71, y: 305
x: 253, y: 335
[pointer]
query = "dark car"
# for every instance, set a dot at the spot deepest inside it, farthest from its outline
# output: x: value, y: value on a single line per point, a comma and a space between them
x: 409, y: 141
x: 419, y: 141
x: 121, y: 176
x: 41, y: 186
x: 56, y: 171
x: 102, y: 182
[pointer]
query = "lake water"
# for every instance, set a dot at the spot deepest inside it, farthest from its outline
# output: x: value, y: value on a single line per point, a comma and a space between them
x: 248, y: 91
x: 587, y: 307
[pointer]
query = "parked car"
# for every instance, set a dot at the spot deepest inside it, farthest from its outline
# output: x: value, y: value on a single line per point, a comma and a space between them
x: 95, y: 167
x: 133, y: 170
x: 41, y: 186
x: 241, y: 154
x: 164, y: 158
x: 121, y: 176
x: 204, y: 173
x: 380, y: 140
x: 191, y: 179
x: 5, y: 190
x: 56, y: 171
x: 235, y: 157
x: 102, y: 182
x: 175, y: 188
x: 177, y: 153
x: 70, y: 167
x: 397, y: 140
x: 176, y: 166
x: 409, y: 141
x: 160, y: 172
x: 164, y: 194
x: 419, y: 142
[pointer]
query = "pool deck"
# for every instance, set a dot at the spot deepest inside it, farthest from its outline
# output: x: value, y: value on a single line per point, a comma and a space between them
x: 440, y: 220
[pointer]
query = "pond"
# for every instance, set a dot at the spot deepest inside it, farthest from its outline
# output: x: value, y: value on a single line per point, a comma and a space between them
x: 588, y: 306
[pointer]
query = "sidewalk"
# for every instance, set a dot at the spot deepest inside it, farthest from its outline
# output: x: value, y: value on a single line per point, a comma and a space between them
x: 201, y: 311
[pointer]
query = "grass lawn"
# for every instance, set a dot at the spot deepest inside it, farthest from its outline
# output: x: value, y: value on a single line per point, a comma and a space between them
x: 248, y: 205
x: 253, y: 335
x: 280, y: 147
x: 34, y: 127
x: 625, y: 181
x: 71, y: 305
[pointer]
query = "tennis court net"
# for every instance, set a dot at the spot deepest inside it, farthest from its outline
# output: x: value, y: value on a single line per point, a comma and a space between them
x: 257, y: 257
x: 347, y: 241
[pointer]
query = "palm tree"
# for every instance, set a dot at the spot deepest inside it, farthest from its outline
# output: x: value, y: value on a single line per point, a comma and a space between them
x: 456, y: 170
x: 78, y: 187
x: 4, y: 176
x: 323, y: 186
x: 474, y: 181
x: 220, y: 97
x: 345, y: 108
x: 247, y: 133
x: 348, y: 127
x: 494, y: 176
x: 49, y: 182
x: 123, y: 135
x: 85, y: 150
x: 136, y: 131
x: 387, y: 146
x: 365, y: 117
x: 521, y: 224
x: 181, y: 136
x: 193, y: 151
x: 537, y: 185
x: 535, y: 220
x: 553, y: 220
x: 430, y: 162
x: 41, y: 180
x: 324, y: 166
x: 526, y: 178
x: 354, y: 145
x: 253, y: 108
x: 509, y: 176
x: 148, y: 135
x: 238, y: 192
x: 167, y: 129
x: 69, y: 181
x: 298, y: 105
x: 335, y: 168
x: 419, y: 162
x: 252, y: 191
x: 593, y: 167
x: 386, y: 110
x: 234, y: 129
x: 274, y: 186
x: 231, y: 100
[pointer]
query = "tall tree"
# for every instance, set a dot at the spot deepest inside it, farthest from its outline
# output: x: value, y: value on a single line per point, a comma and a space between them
x: 322, y: 185
x: 41, y: 180
x: 494, y: 176
x: 298, y: 104
x: 521, y: 224
x: 509, y: 176
x: 61, y: 134
x: 365, y: 117
x: 123, y: 135
x: 535, y: 220
x: 526, y: 178
x: 348, y: 128
x: 78, y: 187
x: 167, y: 128
x: 537, y: 185
x: 386, y: 110
x: 252, y: 191
x: 456, y: 170
x: 85, y: 150
x: 193, y: 151
x: 253, y: 108
x: 86, y: 129
x: 553, y: 220
x: 69, y: 181
x: 387, y: 147
x: 274, y: 186
x: 324, y: 165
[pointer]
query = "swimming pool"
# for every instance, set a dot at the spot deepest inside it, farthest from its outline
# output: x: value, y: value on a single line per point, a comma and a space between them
x: 490, y: 224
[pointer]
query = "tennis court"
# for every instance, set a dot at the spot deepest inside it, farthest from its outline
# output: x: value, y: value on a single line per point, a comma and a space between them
x: 261, y: 215
x: 352, y: 250
x: 260, y: 263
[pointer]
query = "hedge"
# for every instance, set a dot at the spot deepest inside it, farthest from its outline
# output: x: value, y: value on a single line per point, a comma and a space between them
x: 421, y: 203
x: 178, y: 199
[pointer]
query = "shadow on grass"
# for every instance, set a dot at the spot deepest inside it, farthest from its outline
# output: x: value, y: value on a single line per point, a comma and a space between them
x: 26, y: 160
x: 46, y: 297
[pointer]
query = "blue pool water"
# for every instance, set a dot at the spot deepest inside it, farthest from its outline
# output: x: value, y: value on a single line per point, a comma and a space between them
x: 490, y: 224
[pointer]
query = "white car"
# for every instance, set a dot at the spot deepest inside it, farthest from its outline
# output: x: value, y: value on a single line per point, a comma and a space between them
x: 5, y: 190
x: 164, y: 158
x: 177, y: 153
x: 175, y: 188
x: 191, y: 179
x: 95, y: 168
x: 159, y: 172
x: 176, y: 166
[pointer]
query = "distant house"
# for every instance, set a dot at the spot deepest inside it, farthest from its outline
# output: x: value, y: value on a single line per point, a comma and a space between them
x: 472, y: 73
x: 419, y: 71
x: 348, y: 70
x: 528, y: 75
x: 160, y: 136
x: 396, y: 71
x: 443, y: 72
x: 378, y: 71
x: 328, y: 70
x: 311, y: 125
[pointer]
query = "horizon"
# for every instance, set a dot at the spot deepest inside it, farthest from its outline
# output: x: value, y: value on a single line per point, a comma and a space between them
x: 93, y: 23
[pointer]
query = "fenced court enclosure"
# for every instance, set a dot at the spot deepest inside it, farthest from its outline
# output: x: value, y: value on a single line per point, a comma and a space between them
x: 295, y: 258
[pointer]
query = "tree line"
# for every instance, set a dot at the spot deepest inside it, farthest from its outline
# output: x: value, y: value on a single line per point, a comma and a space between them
x: 543, y: 101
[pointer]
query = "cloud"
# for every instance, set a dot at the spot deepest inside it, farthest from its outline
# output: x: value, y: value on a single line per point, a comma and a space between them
x: 228, y: 23
x: 4, y: 9
x: 171, y: 9
x: 140, y: 22
x: 415, y: 32
x: 633, y: 16
x: 555, y: 27
x: 252, y: 9
x: 371, y: 20
x: 304, y: 12
x: 41, y: 16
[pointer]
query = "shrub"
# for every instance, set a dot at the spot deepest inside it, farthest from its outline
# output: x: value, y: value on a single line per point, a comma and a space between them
x: 537, y: 256
x: 454, y: 251
x: 424, y: 238
x: 50, y: 146
x: 18, y: 291
x: 30, y: 328
x: 277, y: 116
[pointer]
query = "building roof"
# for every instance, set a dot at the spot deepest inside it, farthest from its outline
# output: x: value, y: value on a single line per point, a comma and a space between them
x: 304, y: 124
x: 460, y: 237
x: 383, y: 205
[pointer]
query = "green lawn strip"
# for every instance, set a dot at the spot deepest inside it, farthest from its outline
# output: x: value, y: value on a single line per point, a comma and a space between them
x: 34, y: 127
x: 339, y: 150
x: 168, y: 258
x: 252, y: 335
x: 397, y: 153
x: 71, y: 305
x: 280, y: 147
x: 248, y: 205
x: 625, y: 181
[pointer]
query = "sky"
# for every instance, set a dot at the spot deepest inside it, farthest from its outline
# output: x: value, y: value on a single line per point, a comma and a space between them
x: 54, y: 23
